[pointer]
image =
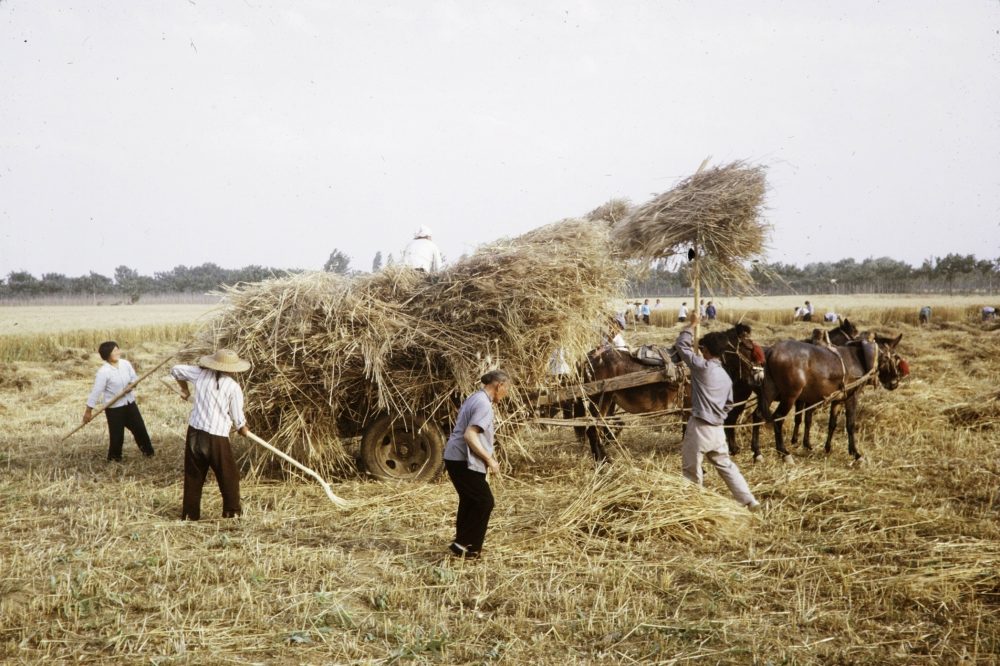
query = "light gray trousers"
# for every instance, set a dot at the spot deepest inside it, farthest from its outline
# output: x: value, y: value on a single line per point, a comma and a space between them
x: 704, y: 440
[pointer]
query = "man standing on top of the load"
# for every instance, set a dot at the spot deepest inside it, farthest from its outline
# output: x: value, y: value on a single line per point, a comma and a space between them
x: 421, y: 253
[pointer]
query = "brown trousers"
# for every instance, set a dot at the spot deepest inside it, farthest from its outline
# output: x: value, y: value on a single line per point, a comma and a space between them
x: 204, y: 451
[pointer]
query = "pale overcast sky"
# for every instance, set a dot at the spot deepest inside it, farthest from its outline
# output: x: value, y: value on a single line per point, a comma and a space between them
x: 158, y: 133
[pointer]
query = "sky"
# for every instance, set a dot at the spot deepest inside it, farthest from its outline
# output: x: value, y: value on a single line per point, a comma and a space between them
x: 179, y: 132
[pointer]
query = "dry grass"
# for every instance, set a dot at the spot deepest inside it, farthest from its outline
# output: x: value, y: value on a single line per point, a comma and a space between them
x: 60, y: 344
x: 893, y: 563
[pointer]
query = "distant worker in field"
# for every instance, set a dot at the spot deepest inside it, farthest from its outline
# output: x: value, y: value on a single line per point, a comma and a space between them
x: 711, y: 400
x: 989, y: 312
x: 807, y: 312
x: 925, y: 315
x: 711, y: 311
x: 657, y: 305
x: 682, y: 312
x: 644, y: 311
x: 218, y: 407
x: 114, y: 377
x: 422, y: 253
x: 467, y: 457
x: 831, y: 317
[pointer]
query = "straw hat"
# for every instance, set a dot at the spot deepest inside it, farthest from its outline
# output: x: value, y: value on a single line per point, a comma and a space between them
x: 224, y: 360
x: 422, y: 232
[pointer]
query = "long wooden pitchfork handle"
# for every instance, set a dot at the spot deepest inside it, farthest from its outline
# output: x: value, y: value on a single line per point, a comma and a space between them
x: 342, y: 503
x: 128, y: 389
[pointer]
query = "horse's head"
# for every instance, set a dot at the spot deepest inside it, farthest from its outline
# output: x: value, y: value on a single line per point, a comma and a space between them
x: 891, y: 366
x: 742, y: 356
x: 848, y: 329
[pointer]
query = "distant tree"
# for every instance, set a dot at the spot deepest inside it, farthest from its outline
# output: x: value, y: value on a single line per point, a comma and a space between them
x: 337, y: 263
x: 252, y: 273
x: 952, y: 265
x: 56, y: 283
x: 23, y: 283
x: 985, y: 267
x: 377, y: 262
x: 130, y: 283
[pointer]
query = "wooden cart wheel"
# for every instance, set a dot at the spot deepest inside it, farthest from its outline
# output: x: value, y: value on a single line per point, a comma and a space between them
x: 394, y: 450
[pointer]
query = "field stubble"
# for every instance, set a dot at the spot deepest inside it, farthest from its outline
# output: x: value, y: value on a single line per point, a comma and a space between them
x: 895, y: 562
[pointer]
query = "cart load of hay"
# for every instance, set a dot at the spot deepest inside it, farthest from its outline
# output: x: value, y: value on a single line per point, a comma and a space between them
x: 387, y: 354
x: 390, y: 355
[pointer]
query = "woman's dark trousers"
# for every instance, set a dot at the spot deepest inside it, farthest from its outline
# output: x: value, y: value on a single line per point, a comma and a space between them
x: 475, y: 503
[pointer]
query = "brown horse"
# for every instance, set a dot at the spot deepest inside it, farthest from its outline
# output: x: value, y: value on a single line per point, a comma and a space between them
x: 606, y: 362
x: 740, y: 358
x: 843, y: 333
x: 798, y: 371
x: 840, y: 335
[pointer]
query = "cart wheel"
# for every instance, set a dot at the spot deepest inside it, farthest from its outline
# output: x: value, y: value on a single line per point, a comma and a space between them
x: 393, y: 450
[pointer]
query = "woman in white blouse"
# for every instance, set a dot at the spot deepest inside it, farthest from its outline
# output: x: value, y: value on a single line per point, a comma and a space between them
x: 115, y: 376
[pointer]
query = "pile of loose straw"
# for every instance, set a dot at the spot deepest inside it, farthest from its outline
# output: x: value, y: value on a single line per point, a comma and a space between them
x: 329, y: 353
x: 718, y: 210
x: 628, y: 503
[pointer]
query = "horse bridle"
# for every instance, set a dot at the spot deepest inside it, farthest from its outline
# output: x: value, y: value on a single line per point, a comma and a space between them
x: 747, y: 368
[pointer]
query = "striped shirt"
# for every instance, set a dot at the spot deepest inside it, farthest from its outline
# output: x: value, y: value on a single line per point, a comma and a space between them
x: 110, y: 381
x: 218, y: 399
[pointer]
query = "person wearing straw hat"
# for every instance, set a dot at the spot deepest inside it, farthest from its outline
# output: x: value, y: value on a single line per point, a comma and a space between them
x: 422, y: 253
x: 218, y: 407
x: 711, y: 400
x: 467, y: 456
x: 114, y: 377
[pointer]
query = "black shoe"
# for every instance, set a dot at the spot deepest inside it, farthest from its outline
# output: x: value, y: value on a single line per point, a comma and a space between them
x: 148, y: 454
x: 116, y: 460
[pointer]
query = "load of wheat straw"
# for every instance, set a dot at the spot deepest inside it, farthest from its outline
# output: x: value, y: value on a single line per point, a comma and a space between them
x: 329, y: 353
x: 717, y: 210
x: 630, y: 503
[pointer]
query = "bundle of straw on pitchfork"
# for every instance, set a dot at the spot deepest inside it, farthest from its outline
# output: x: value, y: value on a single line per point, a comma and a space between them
x: 716, y: 213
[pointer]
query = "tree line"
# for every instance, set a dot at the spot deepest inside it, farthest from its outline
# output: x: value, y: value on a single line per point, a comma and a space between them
x: 948, y: 274
x: 883, y: 275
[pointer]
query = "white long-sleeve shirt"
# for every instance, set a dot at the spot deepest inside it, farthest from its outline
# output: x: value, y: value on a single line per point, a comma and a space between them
x: 110, y: 381
x: 422, y: 253
x: 218, y: 399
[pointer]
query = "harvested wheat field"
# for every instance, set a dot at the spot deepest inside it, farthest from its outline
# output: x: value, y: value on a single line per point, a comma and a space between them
x: 895, y: 562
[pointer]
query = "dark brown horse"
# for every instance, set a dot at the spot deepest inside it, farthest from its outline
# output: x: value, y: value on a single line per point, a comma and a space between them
x: 840, y: 335
x: 740, y: 358
x: 843, y: 333
x: 798, y: 371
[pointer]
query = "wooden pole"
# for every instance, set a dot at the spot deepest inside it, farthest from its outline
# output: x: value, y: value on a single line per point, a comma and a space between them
x: 342, y: 503
x: 696, y: 270
x: 128, y: 389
